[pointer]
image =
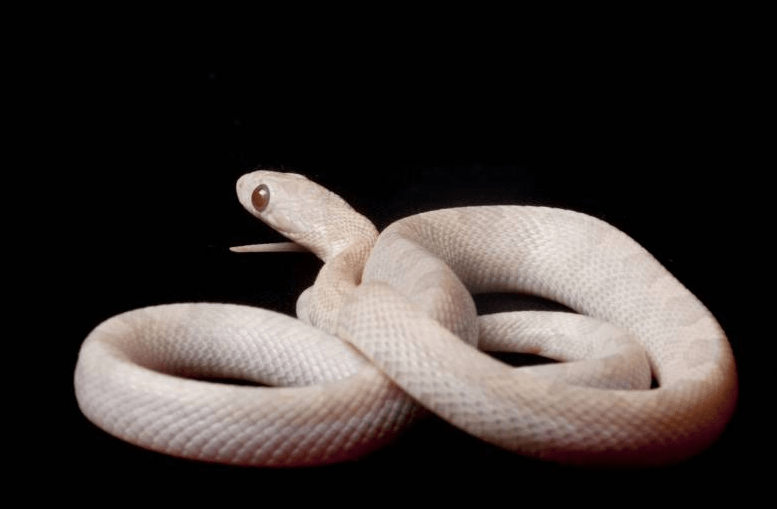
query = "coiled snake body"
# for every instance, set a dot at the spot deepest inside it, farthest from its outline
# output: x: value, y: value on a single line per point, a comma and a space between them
x: 402, y: 299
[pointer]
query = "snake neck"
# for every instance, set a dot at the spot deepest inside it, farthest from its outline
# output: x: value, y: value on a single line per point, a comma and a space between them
x: 344, y: 258
x: 328, y: 227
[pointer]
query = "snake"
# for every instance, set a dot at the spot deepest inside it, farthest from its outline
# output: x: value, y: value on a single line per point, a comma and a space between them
x: 389, y: 333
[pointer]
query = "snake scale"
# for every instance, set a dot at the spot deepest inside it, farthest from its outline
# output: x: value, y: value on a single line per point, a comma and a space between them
x: 389, y: 332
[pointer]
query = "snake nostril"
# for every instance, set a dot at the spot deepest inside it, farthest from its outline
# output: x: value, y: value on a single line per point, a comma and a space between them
x: 260, y: 198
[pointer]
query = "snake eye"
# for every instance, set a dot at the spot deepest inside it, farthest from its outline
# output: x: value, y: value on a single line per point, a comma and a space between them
x: 260, y: 198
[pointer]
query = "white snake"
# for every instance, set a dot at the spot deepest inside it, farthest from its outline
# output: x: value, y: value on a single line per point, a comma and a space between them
x: 403, y: 301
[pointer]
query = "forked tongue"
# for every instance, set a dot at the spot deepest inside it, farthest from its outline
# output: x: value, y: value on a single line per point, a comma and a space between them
x: 273, y: 247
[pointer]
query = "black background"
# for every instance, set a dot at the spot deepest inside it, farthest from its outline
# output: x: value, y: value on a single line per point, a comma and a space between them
x: 140, y: 209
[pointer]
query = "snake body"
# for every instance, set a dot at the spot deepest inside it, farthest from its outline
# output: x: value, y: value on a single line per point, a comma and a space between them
x: 389, y: 332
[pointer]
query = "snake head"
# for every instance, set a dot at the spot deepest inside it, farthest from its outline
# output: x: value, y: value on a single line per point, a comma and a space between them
x: 303, y: 211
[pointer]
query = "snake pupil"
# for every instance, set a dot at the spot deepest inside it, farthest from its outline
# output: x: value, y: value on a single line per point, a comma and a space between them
x: 260, y: 198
